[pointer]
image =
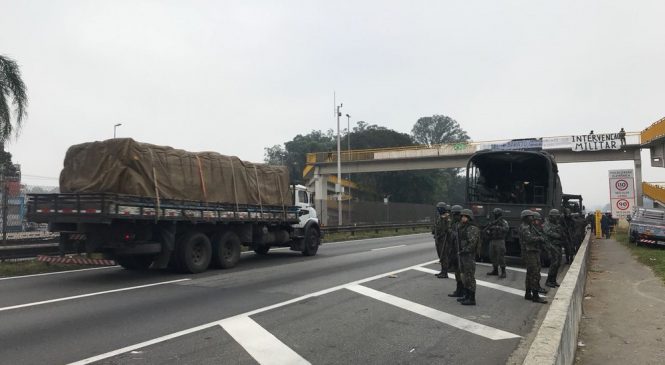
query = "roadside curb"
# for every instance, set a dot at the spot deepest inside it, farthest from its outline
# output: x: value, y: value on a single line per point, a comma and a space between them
x: 556, y: 340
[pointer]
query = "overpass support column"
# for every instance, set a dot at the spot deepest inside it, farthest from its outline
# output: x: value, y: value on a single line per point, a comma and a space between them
x: 321, y: 195
x: 639, y: 199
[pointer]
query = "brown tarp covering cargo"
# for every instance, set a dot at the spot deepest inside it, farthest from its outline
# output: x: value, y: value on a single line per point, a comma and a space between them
x: 124, y: 166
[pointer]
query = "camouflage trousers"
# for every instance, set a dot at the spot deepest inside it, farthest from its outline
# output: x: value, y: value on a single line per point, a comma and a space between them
x: 468, y: 271
x: 498, y: 252
x: 532, y: 262
x: 442, y: 253
x: 554, y: 252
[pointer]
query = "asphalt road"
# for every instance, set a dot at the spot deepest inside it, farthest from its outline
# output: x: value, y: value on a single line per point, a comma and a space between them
x: 372, y: 301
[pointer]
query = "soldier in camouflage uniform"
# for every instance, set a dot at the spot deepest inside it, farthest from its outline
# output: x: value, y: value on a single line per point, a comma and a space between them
x: 568, y: 226
x: 497, y: 230
x: 532, y: 242
x: 553, y: 237
x: 469, y: 238
x: 453, y: 244
x: 538, y: 224
x: 441, y: 232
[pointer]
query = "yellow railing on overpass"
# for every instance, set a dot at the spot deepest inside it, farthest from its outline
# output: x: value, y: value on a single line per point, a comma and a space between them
x: 654, y: 190
x: 653, y: 132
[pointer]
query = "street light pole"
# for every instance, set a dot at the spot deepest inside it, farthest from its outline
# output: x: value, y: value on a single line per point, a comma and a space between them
x: 338, y: 186
x: 348, y: 154
x: 114, y: 128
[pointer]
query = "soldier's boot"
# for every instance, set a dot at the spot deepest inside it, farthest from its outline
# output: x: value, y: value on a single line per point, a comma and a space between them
x: 466, y: 295
x: 443, y: 274
x: 458, y: 292
x: 551, y: 281
x: 470, y: 299
x: 495, y: 271
x: 503, y: 273
x: 536, y: 298
x: 541, y: 290
x: 528, y: 295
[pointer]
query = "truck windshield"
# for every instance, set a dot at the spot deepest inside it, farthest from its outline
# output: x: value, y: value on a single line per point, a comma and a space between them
x: 509, y: 177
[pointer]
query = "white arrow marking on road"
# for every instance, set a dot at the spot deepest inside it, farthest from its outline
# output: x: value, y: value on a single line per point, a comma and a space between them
x: 265, y: 348
x: 87, y: 295
x: 443, y: 317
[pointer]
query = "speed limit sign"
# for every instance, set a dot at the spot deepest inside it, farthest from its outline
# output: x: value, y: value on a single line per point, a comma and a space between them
x: 623, y: 204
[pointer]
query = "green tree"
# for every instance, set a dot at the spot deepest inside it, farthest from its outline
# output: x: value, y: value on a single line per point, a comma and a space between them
x: 438, y: 129
x: 275, y: 155
x: 11, y: 88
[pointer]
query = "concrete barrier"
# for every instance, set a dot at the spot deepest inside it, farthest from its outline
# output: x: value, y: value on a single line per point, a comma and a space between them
x: 556, y: 340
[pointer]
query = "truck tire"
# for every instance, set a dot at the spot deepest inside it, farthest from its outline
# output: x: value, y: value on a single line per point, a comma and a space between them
x: 262, y: 250
x: 135, y: 262
x: 225, y: 249
x: 312, y: 241
x: 193, y: 253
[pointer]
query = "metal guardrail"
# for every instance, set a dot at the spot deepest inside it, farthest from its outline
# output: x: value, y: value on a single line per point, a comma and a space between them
x: 32, y: 249
x: 374, y: 227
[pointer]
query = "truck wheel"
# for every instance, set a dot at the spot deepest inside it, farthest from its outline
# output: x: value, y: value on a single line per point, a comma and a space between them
x: 312, y: 241
x: 135, y: 262
x: 262, y: 250
x: 225, y: 250
x: 193, y: 252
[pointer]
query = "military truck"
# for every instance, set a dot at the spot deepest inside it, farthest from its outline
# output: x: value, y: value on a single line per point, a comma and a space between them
x: 512, y: 181
x: 154, y: 206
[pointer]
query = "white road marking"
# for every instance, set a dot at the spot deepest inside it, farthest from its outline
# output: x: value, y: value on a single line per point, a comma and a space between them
x: 487, y: 284
x: 443, y: 317
x: 247, y: 314
x: 510, y: 268
x: 87, y: 295
x: 265, y: 348
x: 57, y: 272
x: 386, y: 248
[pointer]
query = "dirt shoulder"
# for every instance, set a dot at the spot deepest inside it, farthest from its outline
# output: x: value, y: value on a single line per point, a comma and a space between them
x: 624, y: 310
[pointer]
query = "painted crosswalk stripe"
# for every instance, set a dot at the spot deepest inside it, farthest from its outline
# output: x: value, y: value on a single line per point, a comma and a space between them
x: 487, y: 284
x: 443, y: 317
x: 265, y: 348
x: 510, y: 268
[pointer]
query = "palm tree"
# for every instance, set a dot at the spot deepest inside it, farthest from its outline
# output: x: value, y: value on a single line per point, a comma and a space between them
x: 11, y: 88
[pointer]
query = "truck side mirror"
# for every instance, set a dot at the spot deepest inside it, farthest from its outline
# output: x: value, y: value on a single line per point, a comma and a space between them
x: 303, y: 212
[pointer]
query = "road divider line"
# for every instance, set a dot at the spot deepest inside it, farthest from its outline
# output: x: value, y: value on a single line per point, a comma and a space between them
x: 487, y: 284
x: 57, y: 272
x: 510, y: 268
x: 386, y: 248
x: 265, y: 348
x: 88, y: 295
x: 443, y: 317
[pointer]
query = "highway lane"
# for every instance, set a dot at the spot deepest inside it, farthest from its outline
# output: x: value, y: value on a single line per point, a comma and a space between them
x: 341, y: 326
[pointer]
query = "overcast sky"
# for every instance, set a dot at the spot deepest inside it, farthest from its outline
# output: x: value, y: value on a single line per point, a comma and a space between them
x: 235, y: 77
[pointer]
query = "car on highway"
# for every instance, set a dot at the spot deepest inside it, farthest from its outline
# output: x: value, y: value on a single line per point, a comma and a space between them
x: 647, y: 227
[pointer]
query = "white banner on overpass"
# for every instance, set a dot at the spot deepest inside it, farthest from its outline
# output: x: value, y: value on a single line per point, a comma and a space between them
x: 596, y: 142
x: 622, y: 192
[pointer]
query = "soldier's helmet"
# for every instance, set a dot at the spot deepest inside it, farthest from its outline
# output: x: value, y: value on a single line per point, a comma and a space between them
x: 442, y: 207
x: 456, y: 209
x: 468, y: 213
x: 526, y: 213
x: 554, y: 213
x: 497, y: 212
x: 537, y: 215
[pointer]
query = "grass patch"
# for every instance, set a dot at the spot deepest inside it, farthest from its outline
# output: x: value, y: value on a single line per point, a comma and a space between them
x: 653, y: 257
x: 359, y: 235
x: 8, y: 269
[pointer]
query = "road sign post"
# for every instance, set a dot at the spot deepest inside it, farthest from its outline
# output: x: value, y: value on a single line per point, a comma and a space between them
x: 622, y: 192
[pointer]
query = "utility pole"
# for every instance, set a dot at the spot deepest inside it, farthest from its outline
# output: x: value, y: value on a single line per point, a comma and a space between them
x: 3, y: 178
x: 338, y: 186
x: 348, y: 154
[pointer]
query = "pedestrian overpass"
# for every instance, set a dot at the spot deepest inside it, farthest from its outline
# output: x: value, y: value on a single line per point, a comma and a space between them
x: 565, y: 149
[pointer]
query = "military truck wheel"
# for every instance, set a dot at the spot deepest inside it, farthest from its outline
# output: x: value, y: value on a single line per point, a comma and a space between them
x: 135, y: 262
x: 262, y: 250
x: 193, y: 252
x: 312, y: 241
x: 225, y: 250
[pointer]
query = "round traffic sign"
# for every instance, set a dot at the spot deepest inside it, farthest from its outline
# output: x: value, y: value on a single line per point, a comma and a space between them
x: 623, y: 204
x: 621, y: 184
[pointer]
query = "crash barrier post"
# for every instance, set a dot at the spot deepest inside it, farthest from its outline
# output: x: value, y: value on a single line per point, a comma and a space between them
x: 556, y: 340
